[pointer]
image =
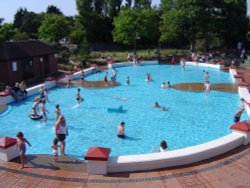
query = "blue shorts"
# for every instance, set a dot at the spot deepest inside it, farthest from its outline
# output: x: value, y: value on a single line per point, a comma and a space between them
x: 236, y: 119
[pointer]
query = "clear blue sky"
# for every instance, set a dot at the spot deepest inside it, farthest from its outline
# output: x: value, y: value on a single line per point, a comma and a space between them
x: 9, y: 7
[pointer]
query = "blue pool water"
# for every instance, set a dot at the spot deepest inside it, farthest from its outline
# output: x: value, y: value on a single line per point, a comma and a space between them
x: 192, y: 118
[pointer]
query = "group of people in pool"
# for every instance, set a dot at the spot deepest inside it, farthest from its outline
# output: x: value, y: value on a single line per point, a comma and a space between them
x: 166, y: 86
x: 113, y: 76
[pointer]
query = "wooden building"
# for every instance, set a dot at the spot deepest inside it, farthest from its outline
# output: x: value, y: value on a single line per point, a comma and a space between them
x: 26, y: 60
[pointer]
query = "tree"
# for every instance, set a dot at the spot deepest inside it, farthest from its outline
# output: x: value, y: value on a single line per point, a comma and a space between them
x: 19, y: 35
x: 202, y: 19
x: 180, y: 18
x: 93, y: 18
x: 135, y: 24
x: 53, y: 10
x: 53, y: 28
x: 6, y: 32
x: 114, y: 7
x: 28, y: 22
x: 77, y: 35
x: 84, y: 50
x: 85, y: 10
x: 18, y: 17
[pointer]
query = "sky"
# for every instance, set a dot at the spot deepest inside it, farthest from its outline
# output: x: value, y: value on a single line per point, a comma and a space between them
x: 8, y: 8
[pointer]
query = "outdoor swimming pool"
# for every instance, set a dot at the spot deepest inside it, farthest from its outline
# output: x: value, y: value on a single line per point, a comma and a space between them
x: 192, y: 118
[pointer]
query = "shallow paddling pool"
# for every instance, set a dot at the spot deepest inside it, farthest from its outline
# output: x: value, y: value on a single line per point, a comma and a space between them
x: 192, y: 118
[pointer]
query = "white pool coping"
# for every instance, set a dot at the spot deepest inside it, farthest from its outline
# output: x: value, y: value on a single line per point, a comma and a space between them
x: 183, y: 156
x: 170, y: 158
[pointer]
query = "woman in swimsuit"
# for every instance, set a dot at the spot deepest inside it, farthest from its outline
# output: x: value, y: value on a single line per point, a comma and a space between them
x: 61, y: 131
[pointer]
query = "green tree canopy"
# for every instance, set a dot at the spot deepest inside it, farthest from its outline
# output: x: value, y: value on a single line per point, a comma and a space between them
x: 6, y: 32
x: 135, y: 24
x: 93, y: 18
x: 77, y: 35
x: 201, y: 19
x: 51, y: 9
x: 28, y: 22
x: 53, y: 28
x: 19, y: 35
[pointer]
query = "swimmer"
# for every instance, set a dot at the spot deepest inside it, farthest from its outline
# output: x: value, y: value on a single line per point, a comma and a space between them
x: 206, y: 76
x: 163, y: 147
x: 57, y: 111
x: 128, y: 80
x: 120, y: 99
x: 69, y: 84
x: 244, y: 102
x: 183, y: 64
x: 105, y: 77
x: 169, y: 85
x: 35, y: 106
x: 156, y: 104
x: 121, y: 130
x: 207, y: 87
x: 42, y: 94
x: 44, y: 110
x: 79, y: 99
x: 148, y: 77
x: 163, y: 85
x: 82, y: 76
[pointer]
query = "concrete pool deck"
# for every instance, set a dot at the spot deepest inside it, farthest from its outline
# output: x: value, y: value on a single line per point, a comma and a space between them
x: 229, y: 170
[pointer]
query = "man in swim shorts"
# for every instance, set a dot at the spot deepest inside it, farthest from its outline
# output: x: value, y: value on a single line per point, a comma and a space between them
x: 121, y: 130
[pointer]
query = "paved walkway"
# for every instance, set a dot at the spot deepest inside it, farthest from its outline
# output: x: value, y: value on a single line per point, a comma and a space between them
x: 230, y: 170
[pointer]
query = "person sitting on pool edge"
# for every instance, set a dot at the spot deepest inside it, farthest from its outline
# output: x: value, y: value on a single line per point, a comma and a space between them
x: 238, y: 114
x: 121, y: 130
x: 163, y: 108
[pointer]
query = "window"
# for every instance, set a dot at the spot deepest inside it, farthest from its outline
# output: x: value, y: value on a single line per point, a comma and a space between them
x: 14, y: 66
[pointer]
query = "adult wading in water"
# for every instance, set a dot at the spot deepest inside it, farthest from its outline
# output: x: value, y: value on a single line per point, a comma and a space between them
x: 61, y: 132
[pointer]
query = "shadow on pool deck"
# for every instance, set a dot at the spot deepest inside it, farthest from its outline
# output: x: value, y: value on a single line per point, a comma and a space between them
x: 45, y: 161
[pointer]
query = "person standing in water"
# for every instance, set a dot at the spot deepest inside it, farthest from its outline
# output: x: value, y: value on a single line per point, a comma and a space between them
x: 128, y: 80
x: 121, y: 130
x: 79, y: 99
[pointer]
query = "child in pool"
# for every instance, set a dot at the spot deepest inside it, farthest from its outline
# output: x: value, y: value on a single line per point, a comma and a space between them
x: 21, y: 145
x: 128, y: 80
x: 55, y: 150
x: 79, y: 99
x: 57, y: 111
x: 44, y: 112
